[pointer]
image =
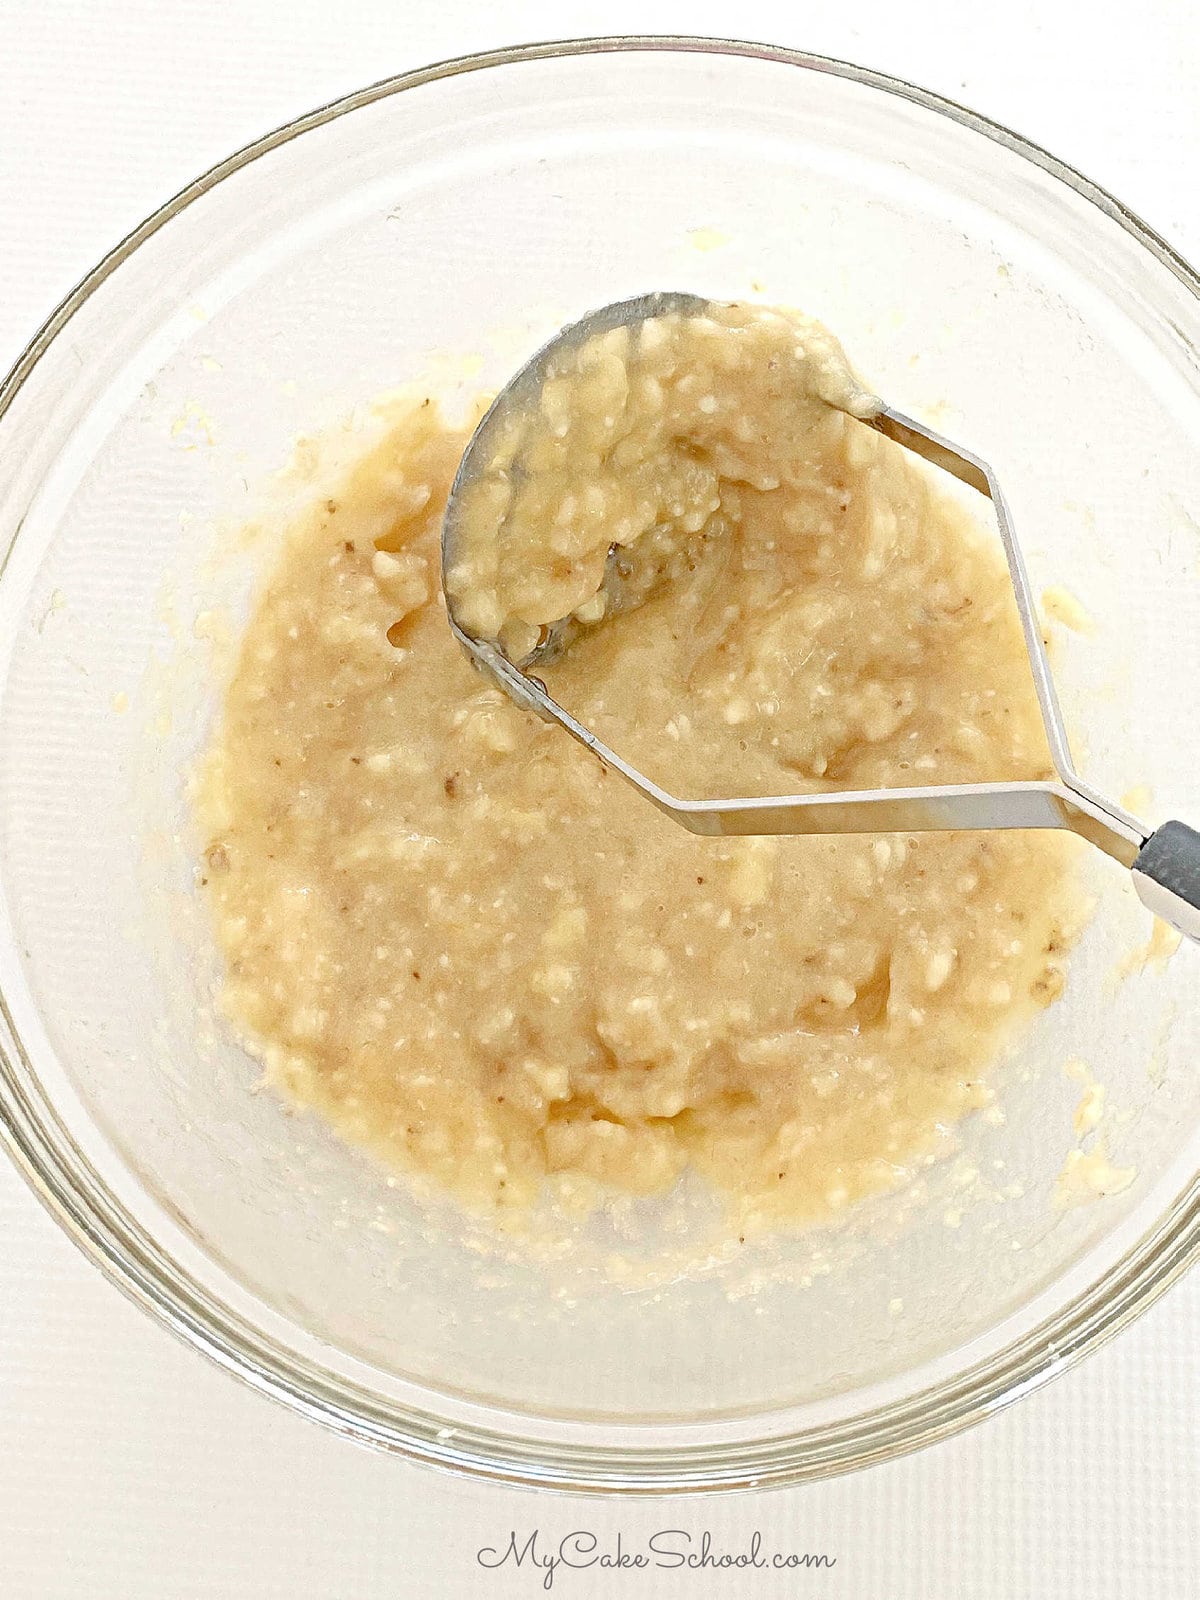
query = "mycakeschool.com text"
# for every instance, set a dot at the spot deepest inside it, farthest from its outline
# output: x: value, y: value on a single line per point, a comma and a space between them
x: 551, y: 1558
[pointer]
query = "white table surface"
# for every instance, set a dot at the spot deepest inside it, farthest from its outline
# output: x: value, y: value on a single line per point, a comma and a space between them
x: 128, y: 1467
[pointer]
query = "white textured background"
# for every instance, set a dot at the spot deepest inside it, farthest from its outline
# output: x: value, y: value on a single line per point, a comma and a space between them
x: 129, y: 1470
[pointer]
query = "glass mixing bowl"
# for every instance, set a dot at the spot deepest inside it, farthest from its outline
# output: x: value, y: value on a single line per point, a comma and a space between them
x: 442, y: 224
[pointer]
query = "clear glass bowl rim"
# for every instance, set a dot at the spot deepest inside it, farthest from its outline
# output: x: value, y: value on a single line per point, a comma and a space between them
x: 67, y: 1184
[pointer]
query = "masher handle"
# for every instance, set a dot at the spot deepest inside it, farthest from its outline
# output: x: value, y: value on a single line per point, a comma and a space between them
x: 1166, y: 873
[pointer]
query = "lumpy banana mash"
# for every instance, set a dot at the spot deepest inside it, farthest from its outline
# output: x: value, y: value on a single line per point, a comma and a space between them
x: 451, y: 932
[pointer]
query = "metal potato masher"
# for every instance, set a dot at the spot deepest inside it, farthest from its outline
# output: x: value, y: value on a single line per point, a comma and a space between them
x: 1165, y: 863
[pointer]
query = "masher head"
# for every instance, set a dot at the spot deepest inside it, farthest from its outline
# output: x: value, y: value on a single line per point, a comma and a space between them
x: 520, y: 396
x: 1065, y: 801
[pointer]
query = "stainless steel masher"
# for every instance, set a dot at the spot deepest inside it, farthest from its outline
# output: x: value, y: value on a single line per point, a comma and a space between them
x: 1165, y: 863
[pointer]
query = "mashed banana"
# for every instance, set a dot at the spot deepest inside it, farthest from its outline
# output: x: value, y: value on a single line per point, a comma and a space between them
x: 452, y: 933
x: 636, y: 448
